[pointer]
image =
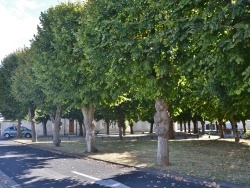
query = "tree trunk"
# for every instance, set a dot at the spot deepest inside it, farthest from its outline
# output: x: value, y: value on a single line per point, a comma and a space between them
x: 124, y: 130
x: 171, y: 130
x: 217, y: 126
x: 235, y: 130
x: 162, y: 121
x: 57, y: 122
x: 44, y: 122
x: 189, y: 125
x: 33, y: 124
x: 203, y: 127
x: 120, y: 132
x: 181, y: 127
x: 185, y: 127
x: 244, y: 126
x: 131, y: 129
x: 195, y: 131
x: 108, y: 124
x: 84, y: 130
x: 121, y: 125
x: 80, y: 127
x: 151, y: 126
x: 221, y: 128
x: 88, y: 114
x: 19, y: 131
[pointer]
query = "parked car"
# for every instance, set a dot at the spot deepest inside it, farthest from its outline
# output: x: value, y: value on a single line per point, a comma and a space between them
x: 12, y: 132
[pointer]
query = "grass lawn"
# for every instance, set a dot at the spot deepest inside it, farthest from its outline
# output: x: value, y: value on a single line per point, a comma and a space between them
x: 221, y: 159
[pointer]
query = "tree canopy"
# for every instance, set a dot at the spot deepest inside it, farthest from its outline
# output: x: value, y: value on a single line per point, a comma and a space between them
x: 190, y: 57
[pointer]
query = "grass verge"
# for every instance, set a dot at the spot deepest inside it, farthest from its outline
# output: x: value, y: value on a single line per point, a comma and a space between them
x: 222, y: 160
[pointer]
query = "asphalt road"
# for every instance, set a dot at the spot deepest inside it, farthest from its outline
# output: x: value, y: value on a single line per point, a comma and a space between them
x: 22, y: 166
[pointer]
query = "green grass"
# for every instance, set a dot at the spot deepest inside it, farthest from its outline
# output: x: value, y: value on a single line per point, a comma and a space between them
x: 221, y: 160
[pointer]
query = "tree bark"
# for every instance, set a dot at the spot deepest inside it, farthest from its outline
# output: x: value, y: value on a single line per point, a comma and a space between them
x: 121, y: 125
x: 120, y: 133
x: 44, y: 128
x: 131, y: 129
x: 185, y: 127
x: 88, y: 114
x: 57, y: 122
x: 124, y: 130
x: 195, y: 131
x: 108, y: 124
x: 33, y: 123
x: 221, y: 128
x: 244, y: 126
x: 189, y: 124
x: 217, y: 126
x: 84, y: 130
x: 80, y: 127
x: 181, y: 127
x: 19, y: 132
x: 162, y: 121
x: 203, y: 127
x: 151, y: 126
x: 235, y: 130
x: 171, y: 130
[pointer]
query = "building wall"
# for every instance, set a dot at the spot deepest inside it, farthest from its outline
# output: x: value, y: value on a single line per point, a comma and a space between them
x: 207, y: 127
x: 140, y: 126
x: 101, y: 126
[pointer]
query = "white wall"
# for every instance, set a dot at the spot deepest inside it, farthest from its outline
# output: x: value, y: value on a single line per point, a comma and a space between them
x: 228, y: 124
x: 39, y: 126
x: 139, y: 126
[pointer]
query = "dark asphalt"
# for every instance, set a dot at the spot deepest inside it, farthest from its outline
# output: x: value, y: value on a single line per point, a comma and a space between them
x: 28, y: 167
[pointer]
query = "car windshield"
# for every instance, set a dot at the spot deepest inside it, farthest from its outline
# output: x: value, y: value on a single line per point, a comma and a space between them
x: 25, y: 129
x: 10, y: 128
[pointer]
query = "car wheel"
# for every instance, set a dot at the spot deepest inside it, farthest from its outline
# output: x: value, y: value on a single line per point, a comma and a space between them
x: 7, y: 135
x: 28, y: 135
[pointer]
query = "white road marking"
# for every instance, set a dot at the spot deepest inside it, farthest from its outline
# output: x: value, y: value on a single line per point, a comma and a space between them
x: 85, y: 175
x: 106, y: 183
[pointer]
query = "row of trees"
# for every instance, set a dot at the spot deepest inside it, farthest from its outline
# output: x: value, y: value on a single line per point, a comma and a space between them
x: 187, y: 56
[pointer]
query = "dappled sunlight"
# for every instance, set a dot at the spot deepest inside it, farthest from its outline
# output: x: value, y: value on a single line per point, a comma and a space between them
x: 128, y: 158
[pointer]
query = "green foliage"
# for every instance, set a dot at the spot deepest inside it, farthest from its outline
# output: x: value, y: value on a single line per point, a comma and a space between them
x: 24, y: 87
x: 10, y: 108
x: 52, y: 50
x: 194, y: 54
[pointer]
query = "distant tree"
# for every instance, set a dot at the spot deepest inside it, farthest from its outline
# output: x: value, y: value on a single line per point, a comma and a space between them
x: 106, y: 113
x: 25, y: 89
x: 77, y: 115
x: 10, y: 108
x: 55, y: 65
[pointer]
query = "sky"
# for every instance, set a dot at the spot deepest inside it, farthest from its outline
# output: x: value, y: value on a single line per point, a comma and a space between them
x: 18, y: 22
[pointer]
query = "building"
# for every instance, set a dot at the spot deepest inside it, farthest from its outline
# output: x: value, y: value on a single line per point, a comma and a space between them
x: 71, y: 127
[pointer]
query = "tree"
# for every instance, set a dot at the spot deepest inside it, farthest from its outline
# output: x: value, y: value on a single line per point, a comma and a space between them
x: 10, y: 108
x: 24, y: 87
x: 52, y: 49
x: 62, y: 68
x: 106, y: 113
x: 131, y: 42
x: 146, y: 111
x: 77, y: 115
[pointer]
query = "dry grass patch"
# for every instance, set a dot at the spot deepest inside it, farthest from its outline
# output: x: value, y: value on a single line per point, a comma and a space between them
x: 222, y: 160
